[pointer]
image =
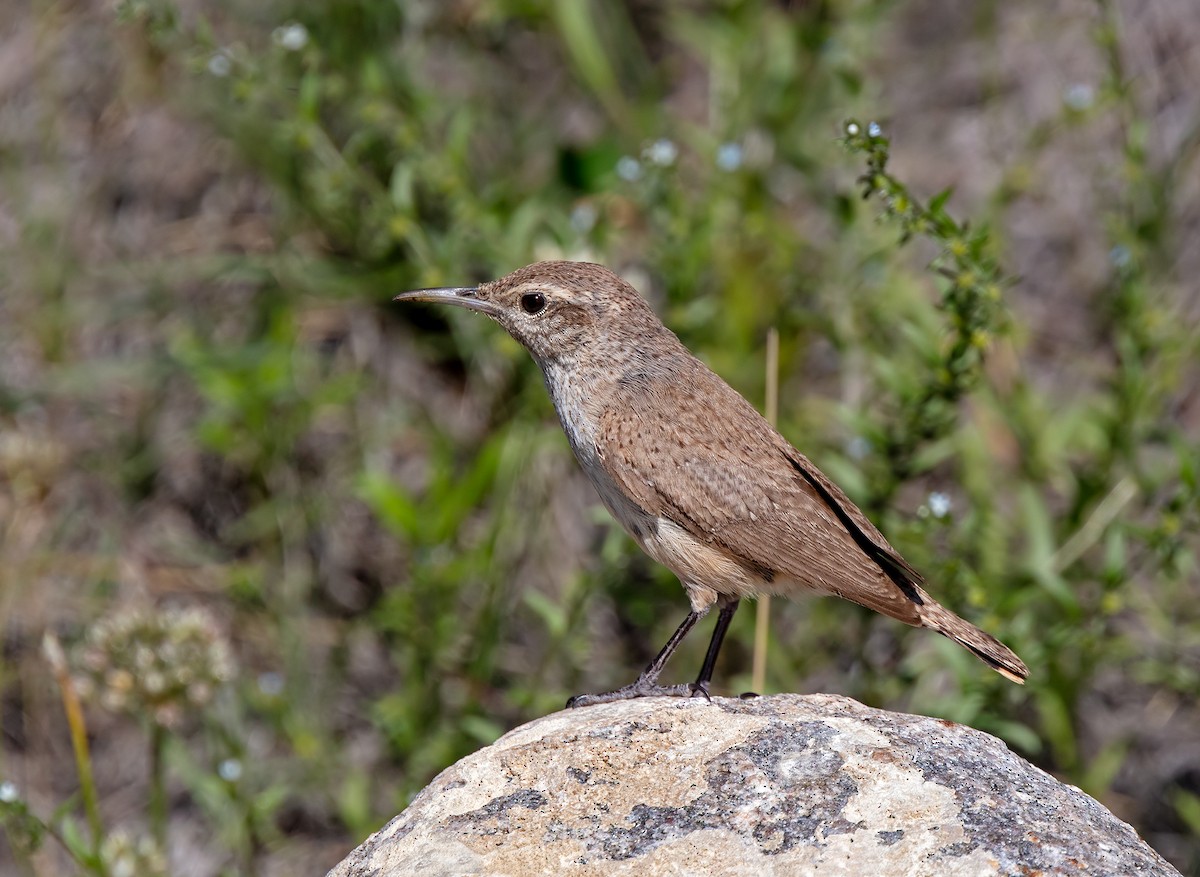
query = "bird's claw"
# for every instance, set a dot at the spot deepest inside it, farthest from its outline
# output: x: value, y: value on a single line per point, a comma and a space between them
x: 638, y: 689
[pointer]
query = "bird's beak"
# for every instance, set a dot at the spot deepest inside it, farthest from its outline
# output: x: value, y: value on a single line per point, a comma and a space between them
x: 461, y: 296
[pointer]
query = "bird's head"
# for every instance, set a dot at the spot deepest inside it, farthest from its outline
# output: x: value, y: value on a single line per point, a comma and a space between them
x: 557, y: 310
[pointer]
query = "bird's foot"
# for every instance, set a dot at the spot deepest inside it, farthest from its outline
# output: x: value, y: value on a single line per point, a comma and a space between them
x: 642, y: 688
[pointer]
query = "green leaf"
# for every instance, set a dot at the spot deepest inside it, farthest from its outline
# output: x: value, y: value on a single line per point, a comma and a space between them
x: 453, y: 500
x: 389, y: 501
x: 1187, y: 805
x: 479, y: 728
x: 1060, y: 731
x: 939, y: 200
x: 551, y: 613
x: 1040, y: 546
x: 1018, y: 734
x: 402, y: 187
x: 74, y: 839
x: 1102, y: 768
x: 354, y: 803
x: 577, y: 26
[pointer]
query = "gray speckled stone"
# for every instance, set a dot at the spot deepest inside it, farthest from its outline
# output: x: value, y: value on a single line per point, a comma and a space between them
x: 777, y: 785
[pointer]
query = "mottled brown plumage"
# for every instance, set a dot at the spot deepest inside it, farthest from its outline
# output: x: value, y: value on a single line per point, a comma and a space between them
x: 703, y: 483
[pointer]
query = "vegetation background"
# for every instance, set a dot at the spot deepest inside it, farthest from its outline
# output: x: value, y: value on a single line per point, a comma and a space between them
x: 297, y: 549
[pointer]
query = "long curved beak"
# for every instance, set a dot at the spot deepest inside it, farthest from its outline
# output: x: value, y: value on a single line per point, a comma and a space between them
x: 460, y: 296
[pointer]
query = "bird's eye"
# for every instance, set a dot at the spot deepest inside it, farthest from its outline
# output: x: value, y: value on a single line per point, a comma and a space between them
x: 533, y: 302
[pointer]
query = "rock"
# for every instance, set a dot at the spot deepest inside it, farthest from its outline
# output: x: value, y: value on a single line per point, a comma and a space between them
x: 773, y: 786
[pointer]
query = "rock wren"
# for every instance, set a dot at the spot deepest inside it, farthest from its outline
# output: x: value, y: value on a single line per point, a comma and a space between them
x: 693, y: 472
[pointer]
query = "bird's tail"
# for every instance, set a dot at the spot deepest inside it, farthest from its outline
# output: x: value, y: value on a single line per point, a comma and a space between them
x: 986, y: 647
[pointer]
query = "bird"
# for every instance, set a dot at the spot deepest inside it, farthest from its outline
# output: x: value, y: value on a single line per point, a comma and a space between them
x: 691, y: 470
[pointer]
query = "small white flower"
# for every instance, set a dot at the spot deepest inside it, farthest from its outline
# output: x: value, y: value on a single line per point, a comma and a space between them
x: 939, y: 504
x: 270, y: 684
x: 1079, y: 96
x: 8, y: 792
x: 292, y: 36
x: 852, y: 129
x: 583, y: 217
x: 169, y: 715
x: 143, y: 657
x: 629, y: 169
x: 199, y: 693
x: 230, y: 770
x: 113, y: 700
x: 729, y: 156
x: 219, y: 64
x: 858, y: 448
x: 661, y: 152
x: 127, y: 856
x: 874, y: 130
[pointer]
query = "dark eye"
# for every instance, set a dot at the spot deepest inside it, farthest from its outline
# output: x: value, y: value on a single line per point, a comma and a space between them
x: 533, y: 302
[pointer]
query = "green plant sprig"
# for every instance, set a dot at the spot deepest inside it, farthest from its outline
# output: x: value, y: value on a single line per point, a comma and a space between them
x: 972, y: 300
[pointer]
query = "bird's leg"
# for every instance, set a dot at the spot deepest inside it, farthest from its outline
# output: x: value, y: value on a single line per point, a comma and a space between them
x: 647, y: 684
x: 724, y: 616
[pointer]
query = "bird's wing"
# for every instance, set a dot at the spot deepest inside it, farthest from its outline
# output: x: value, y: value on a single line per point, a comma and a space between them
x: 716, y: 468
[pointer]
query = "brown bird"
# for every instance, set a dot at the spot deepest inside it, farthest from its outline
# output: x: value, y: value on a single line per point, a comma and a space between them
x: 700, y: 480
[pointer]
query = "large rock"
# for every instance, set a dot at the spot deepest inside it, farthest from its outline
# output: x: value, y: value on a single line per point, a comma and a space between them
x: 775, y: 785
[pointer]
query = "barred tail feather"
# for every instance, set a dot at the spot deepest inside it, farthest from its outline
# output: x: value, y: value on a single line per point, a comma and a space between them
x: 986, y: 647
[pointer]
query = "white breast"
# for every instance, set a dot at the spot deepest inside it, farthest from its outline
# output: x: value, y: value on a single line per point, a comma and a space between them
x: 579, y: 416
x: 704, y: 570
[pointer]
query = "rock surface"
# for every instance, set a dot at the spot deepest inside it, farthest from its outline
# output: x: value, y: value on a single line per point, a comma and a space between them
x: 777, y: 785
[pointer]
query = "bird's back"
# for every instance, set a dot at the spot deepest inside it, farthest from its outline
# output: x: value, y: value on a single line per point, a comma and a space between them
x: 688, y: 448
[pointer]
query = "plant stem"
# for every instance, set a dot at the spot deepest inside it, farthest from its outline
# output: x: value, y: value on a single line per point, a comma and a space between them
x: 79, y: 742
x: 158, y: 786
x: 762, y: 617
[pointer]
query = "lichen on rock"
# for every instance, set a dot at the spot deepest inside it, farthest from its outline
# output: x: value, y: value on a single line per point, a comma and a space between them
x: 778, y: 785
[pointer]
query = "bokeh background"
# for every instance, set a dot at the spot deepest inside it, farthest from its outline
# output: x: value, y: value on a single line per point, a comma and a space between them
x: 298, y: 549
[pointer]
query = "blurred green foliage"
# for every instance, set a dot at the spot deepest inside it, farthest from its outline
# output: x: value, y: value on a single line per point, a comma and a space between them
x: 424, y: 144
